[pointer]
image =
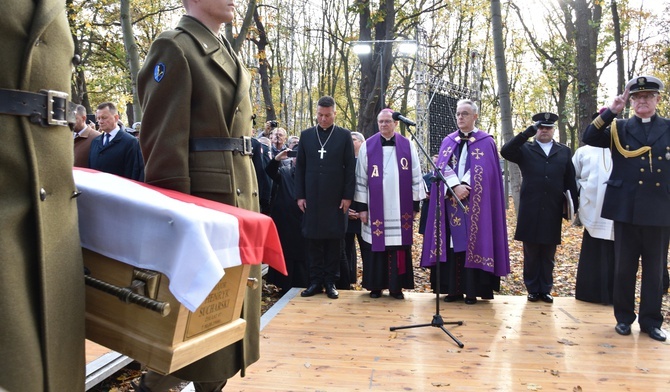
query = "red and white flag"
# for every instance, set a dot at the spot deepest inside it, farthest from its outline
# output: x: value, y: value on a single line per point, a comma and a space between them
x: 189, y: 239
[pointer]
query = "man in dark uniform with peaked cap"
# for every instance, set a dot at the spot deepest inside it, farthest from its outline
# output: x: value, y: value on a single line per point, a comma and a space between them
x: 637, y: 199
x: 547, y: 171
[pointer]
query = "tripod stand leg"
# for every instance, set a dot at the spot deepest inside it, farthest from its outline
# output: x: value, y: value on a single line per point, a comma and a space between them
x: 410, y: 326
x: 458, y: 342
x: 437, y: 322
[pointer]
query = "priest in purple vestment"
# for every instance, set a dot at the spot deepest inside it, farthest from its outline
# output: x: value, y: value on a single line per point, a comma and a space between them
x: 477, y: 254
x: 389, y: 188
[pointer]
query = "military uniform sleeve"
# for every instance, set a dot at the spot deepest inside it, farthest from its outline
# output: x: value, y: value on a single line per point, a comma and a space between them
x: 598, y: 132
x: 512, y: 149
x: 164, y: 87
x: 570, y: 182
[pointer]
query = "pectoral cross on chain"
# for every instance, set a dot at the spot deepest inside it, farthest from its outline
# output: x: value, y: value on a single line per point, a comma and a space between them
x: 321, y: 151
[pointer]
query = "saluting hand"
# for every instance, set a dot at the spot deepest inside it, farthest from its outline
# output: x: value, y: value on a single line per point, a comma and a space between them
x: 620, y: 102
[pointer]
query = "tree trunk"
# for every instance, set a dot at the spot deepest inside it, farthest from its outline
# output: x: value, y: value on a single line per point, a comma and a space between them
x: 376, y: 66
x: 132, y: 58
x: 620, y: 71
x: 513, y: 176
x: 263, y: 68
x: 78, y: 91
x: 587, y: 28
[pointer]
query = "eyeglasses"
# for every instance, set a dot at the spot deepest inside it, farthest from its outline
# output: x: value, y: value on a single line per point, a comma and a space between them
x: 463, y: 114
x: 385, y: 121
x: 646, y: 97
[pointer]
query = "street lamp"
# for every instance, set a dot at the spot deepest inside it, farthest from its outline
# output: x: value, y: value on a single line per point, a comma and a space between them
x: 408, y: 46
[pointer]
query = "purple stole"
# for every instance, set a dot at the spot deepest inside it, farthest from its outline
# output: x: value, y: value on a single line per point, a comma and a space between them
x: 375, y: 155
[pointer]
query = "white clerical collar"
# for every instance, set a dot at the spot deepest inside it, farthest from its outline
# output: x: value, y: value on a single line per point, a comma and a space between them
x: 645, y: 120
x: 474, y: 130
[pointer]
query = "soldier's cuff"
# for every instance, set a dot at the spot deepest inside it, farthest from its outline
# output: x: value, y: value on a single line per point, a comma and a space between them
x: 604, y: 119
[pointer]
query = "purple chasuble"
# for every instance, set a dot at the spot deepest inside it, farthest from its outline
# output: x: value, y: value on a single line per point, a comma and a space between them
x: 375, y: 155
x: 480, y: 230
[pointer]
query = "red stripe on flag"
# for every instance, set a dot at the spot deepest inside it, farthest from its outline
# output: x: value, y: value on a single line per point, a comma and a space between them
x: 259, y: 240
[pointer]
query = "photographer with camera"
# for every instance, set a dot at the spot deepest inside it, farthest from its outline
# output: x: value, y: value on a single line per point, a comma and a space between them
x: 278, y: 139
x: 269, y: 126
x: 287, y: 217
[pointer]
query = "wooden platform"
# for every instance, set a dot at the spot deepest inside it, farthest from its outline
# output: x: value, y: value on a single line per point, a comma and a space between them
x: 102, y: 362
x: 318, y: 344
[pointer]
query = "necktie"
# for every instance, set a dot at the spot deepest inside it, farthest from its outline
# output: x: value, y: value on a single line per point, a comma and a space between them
x: 106, y: 139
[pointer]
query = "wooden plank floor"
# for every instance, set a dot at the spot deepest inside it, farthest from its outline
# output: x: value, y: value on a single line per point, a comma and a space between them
x: 95, y: 351
x: 318, y: 344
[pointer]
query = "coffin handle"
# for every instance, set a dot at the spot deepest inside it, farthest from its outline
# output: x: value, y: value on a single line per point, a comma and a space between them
x: 127, y: 295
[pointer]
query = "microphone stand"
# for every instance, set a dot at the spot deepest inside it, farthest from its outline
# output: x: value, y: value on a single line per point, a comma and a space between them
x: 437, y: 320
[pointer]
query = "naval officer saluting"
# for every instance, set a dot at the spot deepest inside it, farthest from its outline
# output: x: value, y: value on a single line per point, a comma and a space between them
x: 637, y: 200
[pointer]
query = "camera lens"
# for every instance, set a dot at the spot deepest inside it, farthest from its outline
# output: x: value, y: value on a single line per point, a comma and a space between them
x: 274, y: 124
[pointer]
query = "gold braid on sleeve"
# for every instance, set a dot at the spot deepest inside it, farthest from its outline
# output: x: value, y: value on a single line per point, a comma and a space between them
x: 623, y: 151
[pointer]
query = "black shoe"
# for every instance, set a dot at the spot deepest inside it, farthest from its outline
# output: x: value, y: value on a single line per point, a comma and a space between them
x: 623, y: 329
x: 546, y: 297
x: 375, y: 293
x: 398, y: 295
x: 331, y: 292
x: 311, y: 290
x: 533, y: 297
x: 654, y: 333
x: 470, y: 301
x: 453, y: 298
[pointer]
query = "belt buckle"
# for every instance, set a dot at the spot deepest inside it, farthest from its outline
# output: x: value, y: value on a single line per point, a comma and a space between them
x: 247, y: 147
x: 52, y: 95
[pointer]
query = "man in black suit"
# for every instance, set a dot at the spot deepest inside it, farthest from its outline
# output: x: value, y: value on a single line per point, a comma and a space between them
x: 324, y: 188
x: 547, y: 171
x: 637, y: 201
x: 115, y: 151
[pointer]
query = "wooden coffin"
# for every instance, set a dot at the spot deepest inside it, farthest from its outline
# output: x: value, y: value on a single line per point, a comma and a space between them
x: 164, y: 344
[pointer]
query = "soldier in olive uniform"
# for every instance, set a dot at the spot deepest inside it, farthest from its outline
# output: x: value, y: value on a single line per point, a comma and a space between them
x: 637, y: 200
x: 194, y: 91
x: 42, y: 280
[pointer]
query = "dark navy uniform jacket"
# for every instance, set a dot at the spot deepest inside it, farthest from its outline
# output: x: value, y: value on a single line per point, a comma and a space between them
x: 545, y: 179
x: 638, y: 191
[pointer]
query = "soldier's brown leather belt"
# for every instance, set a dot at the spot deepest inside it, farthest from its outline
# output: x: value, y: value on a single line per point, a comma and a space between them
x: 241, y: 144
x: 48, y: 107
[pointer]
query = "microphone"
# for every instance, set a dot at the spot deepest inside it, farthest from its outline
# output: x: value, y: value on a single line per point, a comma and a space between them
x: 399, y: 117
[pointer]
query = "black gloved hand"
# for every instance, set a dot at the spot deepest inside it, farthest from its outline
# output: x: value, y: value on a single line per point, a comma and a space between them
x: 532, y: 130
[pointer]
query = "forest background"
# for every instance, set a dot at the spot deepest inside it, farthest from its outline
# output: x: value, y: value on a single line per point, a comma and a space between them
x: 514, y: 57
